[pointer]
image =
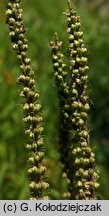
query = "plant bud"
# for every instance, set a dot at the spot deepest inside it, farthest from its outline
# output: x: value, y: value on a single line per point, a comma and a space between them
x: 73, y: 52
x: 84, y: 144
x: 84, y: 78
x: 71, y: 38
x: 79, y: 184
x: 71, y: 45
x: 31, y: 106
x: 74, y: 151
x: 85, y: 161
x: 66, y: 107
x: 31, y: 82
x: 8, y: 12
x: 77, y: 174
x: 31, y: 134
x: 31, y: 160
x: 11, y: 21
x: 31, y: 94
x: 73, y: 27
x: 96, y: 185
x: 76, y: 114
x: 24, y: 47
x: 12, y: 34
x: 81, y: 122
x: 24, y: 55
x: 37, y: 107
x: 60, y: 62
x: 88, y: 150
x: 56, y: 65
x: 90, y: 171
x: 60, y: 55
x: 55, y: 57
x: 79, y: 34
x: 95, y: 175
x: 20, y: 43
x: 78, y: 81
x: 73, y: 120
x: 66, y: 115
x: 92, y: 160
x: 69, y: 30
x: 75, y: 71
x: 15, y: 46
x: 92, y: 154
x: 26, y: 106
x: 77, y: 25
x: 78, y: 149
x: 84, y: 115
x: 81, y: 171
x: 75, y: 92
x: 27, y: 67
x: 63, y: 66
x: 76, y: 43
x: 60, y: 78
x: 83, y: 134
x: 80, y: 41
x: 77, y: 161
x: 27, y: 60
x: 85, y: 174
x: 86, y: 107
x: 69, y: 20
x: 38, y: 130
x: 75, y: 104
x: 19, y: 57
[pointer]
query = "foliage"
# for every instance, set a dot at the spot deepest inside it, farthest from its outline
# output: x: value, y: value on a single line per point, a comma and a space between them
x: 41, y: 20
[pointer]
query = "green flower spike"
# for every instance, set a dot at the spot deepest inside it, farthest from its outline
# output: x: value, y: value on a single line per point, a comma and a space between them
x: 63, y: 107
x: 76, y: 153
x: 82, y: 184
x: 38, y: 186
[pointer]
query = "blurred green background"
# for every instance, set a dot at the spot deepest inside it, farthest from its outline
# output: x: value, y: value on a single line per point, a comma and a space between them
x: 42, y: 19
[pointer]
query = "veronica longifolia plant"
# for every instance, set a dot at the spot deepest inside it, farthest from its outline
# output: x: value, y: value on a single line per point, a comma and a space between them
x: 71, y: 79
x: 38, y: 186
